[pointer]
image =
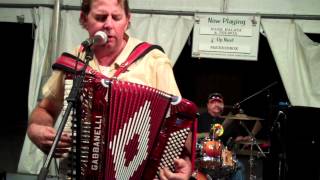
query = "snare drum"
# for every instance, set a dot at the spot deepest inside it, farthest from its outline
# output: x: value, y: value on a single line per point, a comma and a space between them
x: 216, y: 161
x: 212, y: 148
x: 209, y: 156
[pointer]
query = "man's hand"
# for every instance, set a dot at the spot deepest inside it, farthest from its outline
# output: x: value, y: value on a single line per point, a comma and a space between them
x: 43, y: 137
x: 183, y: 170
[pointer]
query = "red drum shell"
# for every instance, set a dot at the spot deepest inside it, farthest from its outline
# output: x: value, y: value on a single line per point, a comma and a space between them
x: 212, y: 148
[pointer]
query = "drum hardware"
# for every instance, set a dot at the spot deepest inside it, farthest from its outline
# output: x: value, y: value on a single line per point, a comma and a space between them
x: 248, y: 153
x: 3, y: 174
x: 258, y: 141
x: 212, y: 147
x: 242, y: 116
x: 264, y: 144
x: 214, y: 160
x: 253, y: 141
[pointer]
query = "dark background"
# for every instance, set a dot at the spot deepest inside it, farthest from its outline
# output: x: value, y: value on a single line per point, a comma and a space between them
x: 16, y: 54
x: 196, y: 78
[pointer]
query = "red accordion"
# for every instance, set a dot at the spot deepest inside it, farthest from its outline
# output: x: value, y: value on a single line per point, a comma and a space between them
x: 128, y: 130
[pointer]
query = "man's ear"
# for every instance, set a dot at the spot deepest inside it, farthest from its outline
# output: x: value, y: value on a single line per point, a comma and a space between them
x: 129, y: 21
x: 83, y: 20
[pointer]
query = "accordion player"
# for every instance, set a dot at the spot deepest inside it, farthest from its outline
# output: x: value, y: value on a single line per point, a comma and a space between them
x: 124, y: 130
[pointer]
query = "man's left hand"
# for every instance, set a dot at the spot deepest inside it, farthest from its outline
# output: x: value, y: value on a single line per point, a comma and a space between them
x: 183, y: 170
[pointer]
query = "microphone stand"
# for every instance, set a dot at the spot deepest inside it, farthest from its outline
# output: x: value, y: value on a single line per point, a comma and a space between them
x: 235, y: 109
x: 72, y: 98
x: 282, y: 156
x: 236, y: 105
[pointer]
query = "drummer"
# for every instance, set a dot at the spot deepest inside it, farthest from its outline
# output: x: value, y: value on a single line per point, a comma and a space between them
x: 213, y: 115
x: 215, y: 106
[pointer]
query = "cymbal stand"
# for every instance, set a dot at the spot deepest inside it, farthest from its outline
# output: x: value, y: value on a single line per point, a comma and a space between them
x: 251, y: 160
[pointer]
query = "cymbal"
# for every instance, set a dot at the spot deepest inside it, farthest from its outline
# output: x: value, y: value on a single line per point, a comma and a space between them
x: 248, y: 153
x: 242, y: 116
x: 258, y: 141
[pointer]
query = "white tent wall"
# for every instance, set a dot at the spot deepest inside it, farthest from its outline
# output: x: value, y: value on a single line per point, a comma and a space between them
x: 155, y: 28
x: 32, y: 159
x: 12, y: 14
x: 297, y: 58
x: 70, y: 30
x: 307, y: 7
x: 306, y: 11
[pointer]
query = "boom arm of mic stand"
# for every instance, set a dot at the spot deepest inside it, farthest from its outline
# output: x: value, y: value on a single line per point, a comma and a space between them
x: 71, y: 102
x: 236, y: 105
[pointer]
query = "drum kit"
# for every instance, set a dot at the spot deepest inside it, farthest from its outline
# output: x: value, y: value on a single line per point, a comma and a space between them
x: 217, y: 161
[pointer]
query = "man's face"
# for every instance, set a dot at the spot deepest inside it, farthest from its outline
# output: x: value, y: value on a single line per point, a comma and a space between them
x: 110, y: 17
x: 215, y: 107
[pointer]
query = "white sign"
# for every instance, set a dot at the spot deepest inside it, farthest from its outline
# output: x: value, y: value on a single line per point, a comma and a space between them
x: 226, y: 37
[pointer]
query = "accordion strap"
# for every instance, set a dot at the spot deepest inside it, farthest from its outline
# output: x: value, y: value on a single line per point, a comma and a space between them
x: 138, y: 52
x: 68, y: 62
x: 72, y: 64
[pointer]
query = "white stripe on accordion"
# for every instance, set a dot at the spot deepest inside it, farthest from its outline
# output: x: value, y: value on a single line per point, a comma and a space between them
x: 138, y: 124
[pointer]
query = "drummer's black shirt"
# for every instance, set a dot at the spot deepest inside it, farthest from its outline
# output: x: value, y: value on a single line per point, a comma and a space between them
x: 206, y: 121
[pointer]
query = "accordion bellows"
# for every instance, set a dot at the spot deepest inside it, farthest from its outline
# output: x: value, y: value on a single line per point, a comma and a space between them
x: 124, y: 130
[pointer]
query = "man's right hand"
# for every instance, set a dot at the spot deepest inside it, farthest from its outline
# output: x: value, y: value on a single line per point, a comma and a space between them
x: 43, y: 137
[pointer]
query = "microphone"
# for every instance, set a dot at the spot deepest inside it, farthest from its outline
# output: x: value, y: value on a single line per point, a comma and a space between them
x: 236, y: 108
x: 276, y: 123
x: 99, y: 38
x: 282, y: 113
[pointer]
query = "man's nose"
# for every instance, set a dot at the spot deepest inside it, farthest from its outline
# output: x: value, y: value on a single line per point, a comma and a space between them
x: 108, y: 22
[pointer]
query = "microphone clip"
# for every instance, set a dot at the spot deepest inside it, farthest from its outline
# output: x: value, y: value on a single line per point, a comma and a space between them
x: 230, y: 144
x: 99, y: 38
x: 236, y: 108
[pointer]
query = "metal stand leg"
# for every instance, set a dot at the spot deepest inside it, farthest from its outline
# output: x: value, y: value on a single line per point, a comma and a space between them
x: 252, y: 174
x: 3, y: 175
x: 251, y: 160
